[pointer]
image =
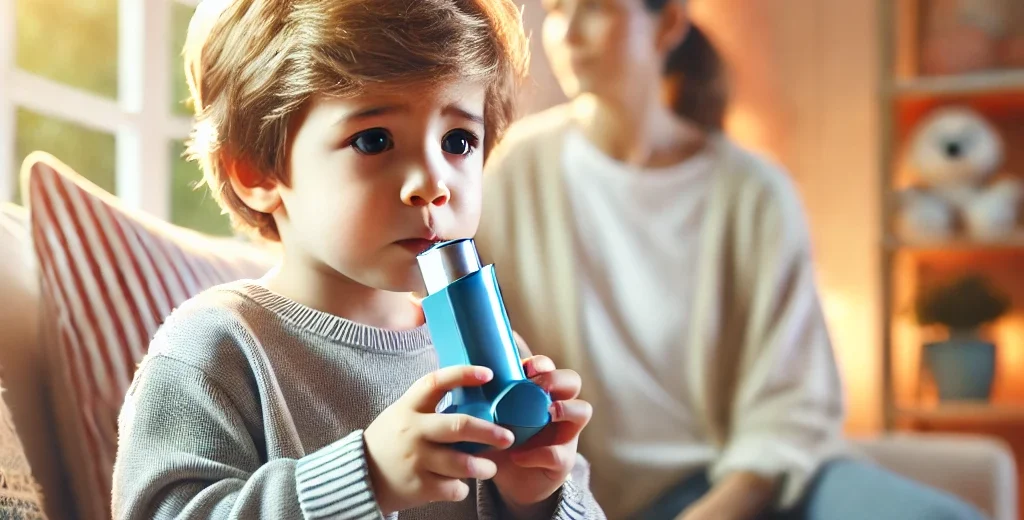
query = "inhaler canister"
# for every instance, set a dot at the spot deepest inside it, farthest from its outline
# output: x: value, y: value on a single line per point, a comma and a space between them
x: 469, y: 326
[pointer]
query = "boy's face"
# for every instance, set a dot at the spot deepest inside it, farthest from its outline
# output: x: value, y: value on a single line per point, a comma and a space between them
x: 376, y: 179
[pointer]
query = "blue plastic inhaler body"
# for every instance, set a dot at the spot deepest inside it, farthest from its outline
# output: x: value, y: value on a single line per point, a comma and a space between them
x: 469, y: 326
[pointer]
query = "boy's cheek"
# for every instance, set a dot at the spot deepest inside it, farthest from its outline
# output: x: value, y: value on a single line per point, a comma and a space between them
x: 463, y: 214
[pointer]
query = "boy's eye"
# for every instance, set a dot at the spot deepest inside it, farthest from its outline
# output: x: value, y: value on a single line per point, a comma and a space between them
x: 459, y: 142
x: 373, y: 142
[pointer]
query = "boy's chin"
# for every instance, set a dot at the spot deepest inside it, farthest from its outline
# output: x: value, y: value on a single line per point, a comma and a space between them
x: 406, y: 281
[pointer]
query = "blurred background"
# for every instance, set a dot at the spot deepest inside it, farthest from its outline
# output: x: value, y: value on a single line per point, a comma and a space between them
x: 838, y: 91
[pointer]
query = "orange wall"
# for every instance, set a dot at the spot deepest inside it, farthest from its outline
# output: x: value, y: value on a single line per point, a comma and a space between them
x: 805, y: 87
x: 804, y: 79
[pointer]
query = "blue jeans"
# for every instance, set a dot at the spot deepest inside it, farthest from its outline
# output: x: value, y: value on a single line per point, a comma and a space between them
x: 842, y: 490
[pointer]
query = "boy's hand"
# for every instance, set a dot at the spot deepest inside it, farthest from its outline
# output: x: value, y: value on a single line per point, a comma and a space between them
x: 408, y: 462
x: 528, y: 476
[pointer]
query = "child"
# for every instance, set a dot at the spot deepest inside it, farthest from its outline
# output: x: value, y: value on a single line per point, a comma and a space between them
x: 354, y: 133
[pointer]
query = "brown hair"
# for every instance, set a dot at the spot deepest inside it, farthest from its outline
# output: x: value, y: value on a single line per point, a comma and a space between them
x: 252, y: 66
x: 697, y: 84
x: 695, y: 76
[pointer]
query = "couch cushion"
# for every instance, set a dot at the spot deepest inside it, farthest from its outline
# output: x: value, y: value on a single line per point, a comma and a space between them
x: 978, y: 469
x: 109, y: 276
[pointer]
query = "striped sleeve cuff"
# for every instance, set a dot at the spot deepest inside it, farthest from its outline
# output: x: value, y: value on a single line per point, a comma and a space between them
x: 571, y: 503
x: 334, y: 482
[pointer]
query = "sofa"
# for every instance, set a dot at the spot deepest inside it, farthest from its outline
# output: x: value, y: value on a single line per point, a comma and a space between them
x: 86, y: 281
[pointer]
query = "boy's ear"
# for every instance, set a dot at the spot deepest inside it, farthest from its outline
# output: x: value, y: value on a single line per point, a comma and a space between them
x: 675, y: 25
x: 257, y: 190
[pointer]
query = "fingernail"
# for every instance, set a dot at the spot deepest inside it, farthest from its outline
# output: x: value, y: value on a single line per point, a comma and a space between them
x: 484, y: 374
x: 556, y: 410
x: 504, y: 435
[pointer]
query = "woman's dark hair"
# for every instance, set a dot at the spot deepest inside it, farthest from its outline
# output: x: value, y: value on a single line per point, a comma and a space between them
x: 695, y: 78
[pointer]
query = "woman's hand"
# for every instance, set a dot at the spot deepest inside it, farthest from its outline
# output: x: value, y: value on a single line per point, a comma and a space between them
x: 740, y: 496
x: 706, y: 510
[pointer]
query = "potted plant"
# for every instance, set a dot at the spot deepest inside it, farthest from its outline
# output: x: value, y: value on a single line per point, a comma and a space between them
x: 964, y: 364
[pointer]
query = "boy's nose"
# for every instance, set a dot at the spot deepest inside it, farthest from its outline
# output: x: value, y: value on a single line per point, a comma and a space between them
x: 427, y: 191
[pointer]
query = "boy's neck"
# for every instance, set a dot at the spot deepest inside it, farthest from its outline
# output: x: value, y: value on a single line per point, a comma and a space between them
x: 324, y: 290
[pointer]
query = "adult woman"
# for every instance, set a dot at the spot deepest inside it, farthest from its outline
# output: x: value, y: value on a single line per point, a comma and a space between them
x: 671, y: 268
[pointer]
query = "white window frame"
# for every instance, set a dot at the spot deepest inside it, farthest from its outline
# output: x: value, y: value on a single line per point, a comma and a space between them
x: 141, y: 119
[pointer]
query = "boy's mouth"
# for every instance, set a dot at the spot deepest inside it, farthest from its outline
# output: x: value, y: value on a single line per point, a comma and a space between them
x: 419, y: 245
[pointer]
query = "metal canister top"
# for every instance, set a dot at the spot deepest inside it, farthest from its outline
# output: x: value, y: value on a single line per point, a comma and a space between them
x: 446, y: 262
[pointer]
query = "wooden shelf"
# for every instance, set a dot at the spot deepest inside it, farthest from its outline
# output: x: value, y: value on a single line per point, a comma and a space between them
x: 1012, y: 242
x: 976, y: 83
x: 966, y: 411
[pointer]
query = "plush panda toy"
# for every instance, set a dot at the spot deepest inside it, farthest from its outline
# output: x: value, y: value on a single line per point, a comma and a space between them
x: 955, y: 152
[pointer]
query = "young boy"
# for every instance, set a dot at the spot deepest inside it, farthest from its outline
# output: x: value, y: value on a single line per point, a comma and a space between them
x: 353, y: 132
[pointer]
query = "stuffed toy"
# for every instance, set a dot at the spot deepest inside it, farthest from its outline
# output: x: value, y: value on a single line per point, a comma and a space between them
x: 956, y: 153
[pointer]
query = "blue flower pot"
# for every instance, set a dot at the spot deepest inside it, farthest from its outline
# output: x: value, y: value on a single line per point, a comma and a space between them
x: 963, y: 368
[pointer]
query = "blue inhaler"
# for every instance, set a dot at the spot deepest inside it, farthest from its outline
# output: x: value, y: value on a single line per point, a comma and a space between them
x: 469, y: 326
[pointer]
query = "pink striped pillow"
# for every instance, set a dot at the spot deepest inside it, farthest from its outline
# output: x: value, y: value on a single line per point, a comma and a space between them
x: 109, y: 276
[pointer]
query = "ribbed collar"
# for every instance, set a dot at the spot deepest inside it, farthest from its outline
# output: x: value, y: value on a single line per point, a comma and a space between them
x: 335, y: 328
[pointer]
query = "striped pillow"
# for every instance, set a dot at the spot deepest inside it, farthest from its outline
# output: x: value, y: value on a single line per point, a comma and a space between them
x: 108, y: 277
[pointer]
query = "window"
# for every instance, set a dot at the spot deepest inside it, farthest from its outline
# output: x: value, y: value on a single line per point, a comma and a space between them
x: 100, y: 85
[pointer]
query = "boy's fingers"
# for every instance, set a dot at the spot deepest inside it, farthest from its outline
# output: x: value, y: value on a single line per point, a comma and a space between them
x: 538, y: 365
x: 568, y: 420
x: 563, y: 385
x: 444, y: 489
x: 574, y: 416
x: 450, y: 428
x: 446, y: 462
x: 431, y: 388
x: 524, y: 349
x: 557, y: 459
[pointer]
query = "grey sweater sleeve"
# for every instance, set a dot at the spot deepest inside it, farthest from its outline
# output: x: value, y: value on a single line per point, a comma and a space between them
x: 577, y: 502
x: 186, y: 452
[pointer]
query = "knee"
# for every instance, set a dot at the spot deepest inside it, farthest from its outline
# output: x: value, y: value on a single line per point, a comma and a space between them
x: 878, y: 493
x: 933, y: 504
x: 951, y: 509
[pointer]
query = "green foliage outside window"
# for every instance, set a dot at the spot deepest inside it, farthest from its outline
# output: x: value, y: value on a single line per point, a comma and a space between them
x: 75, y: 43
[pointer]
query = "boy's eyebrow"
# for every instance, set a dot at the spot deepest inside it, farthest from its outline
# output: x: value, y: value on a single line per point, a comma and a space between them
x: 455, y: 110
x: 389, y: 109
x: 367, y: 113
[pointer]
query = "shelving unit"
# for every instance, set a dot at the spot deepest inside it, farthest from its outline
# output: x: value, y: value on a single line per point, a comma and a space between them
x: 907, y: 95
x: 966, y: 412
x: 1010, y: 243
x: 979, y: 83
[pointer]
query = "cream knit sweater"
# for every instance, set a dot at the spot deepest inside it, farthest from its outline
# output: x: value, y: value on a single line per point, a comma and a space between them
x: 759, y: 366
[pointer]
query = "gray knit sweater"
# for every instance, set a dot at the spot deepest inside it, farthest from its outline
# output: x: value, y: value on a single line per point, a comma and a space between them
x: 250, y: 405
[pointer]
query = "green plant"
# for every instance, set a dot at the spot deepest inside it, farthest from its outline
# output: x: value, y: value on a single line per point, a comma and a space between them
x: 961, y: 305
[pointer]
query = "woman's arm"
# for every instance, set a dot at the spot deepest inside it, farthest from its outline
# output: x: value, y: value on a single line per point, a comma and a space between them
x: 786, y: 412
x: 739, y: 496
